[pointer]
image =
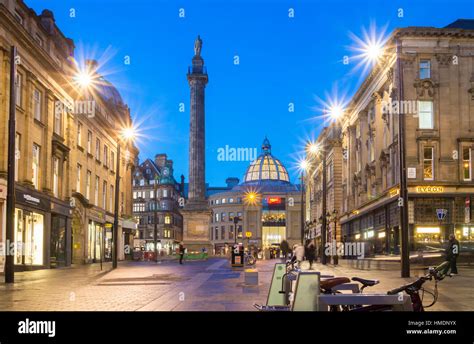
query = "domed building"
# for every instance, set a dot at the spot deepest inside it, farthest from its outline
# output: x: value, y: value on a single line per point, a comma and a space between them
x: 266, y: 204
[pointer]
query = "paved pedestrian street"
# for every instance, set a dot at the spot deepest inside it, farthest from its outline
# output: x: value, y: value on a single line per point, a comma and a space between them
x: 195, y: 286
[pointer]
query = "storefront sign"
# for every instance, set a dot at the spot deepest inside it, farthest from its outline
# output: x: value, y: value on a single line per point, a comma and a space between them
x: 429, y: 189
x: 33, y: 200
x: 274, y: 200
x: 248, y: 234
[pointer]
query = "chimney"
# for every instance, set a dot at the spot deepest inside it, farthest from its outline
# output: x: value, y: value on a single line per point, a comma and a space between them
x: 47, y: 20
x: 181, y: 186
x: 160, y: 160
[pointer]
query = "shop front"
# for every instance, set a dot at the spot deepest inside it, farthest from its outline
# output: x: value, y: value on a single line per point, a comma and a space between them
x: 96, y: 233
x: 60, y: 252
x: 32, y: 230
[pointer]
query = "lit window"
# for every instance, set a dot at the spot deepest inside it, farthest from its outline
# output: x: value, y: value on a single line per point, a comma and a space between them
x: 425, y: 69
x: 466, y: 163
x: 167, y: 219
x: 425, y: 115
x: 428, y: 163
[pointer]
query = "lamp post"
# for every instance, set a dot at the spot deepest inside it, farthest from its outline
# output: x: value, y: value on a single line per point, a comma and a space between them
x: 236, y: 221
x: 335, y: 258
x: 403, y: 200
x: 127, y: 134
x: 155, y: 220
x: 9, y: 256
x: 302, y: 207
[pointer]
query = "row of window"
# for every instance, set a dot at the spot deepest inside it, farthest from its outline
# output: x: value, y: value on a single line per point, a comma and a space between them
x: 150, y: 219
x: 222, y: 217
x: 225, y: 200
x: 150, y: 206
x: 225, y: 233
x: 429, y: 163
x: 38, y: 110
x: 107, y: 159
x: 151, y: 193
x: 87, y: 193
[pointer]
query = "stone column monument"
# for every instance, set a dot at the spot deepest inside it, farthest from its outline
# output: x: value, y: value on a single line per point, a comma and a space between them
x: 196, y: 213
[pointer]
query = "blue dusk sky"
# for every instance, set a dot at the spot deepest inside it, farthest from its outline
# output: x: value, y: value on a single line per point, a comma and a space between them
x: 282, y: 60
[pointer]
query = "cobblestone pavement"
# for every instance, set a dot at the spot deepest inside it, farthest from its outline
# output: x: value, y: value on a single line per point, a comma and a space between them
x: 195, y: 286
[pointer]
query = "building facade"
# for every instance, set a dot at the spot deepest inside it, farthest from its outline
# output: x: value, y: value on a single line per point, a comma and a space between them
x: 57, y: 203
x: 266, y: 203
x: 429, y: 80
x: 157, y: 200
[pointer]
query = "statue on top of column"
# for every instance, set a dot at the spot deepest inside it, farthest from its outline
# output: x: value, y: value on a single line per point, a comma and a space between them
x: 197, y: 46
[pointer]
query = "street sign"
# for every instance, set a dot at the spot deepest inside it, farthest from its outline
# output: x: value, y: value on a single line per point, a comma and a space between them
x: 248, y: 234
x: 441, y: 213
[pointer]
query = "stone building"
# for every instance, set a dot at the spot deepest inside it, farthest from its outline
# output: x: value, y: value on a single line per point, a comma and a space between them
x: 61, y: 153
x: 330, y: 141
x: 156, y: 200
x: 266, y: 203
x: 430, y: 81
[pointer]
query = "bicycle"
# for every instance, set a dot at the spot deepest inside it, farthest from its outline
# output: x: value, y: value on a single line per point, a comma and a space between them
x: 413, y: 290
x: 249, y: 259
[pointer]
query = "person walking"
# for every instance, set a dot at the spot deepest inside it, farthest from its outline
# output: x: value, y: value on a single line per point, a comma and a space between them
x: 310, y: 253
x: 285, y: 249
x: 182, y: 250
x: 298, y: 252
x: 452, y: 253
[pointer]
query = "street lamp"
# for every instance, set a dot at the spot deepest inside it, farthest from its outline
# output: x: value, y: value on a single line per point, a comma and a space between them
x: 335, y: 259
x: 126, y: 135
x: 10, y: 238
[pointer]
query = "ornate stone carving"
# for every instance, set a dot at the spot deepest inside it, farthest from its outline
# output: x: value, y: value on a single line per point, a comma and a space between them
x: 444, y: 59
x: 425, y: 86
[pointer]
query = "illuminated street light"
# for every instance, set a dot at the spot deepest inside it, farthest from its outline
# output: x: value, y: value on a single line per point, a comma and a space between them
x: 304, y: 165
x: 336, y: 111
x: 313, y: 148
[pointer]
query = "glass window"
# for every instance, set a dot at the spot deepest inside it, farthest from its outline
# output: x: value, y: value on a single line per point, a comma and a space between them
x: 97, y: 149
x: 89, y: 141
x: 18, y: 87
x: 55, y: 176
x: 466, y: 163
x: 167, y: 219
x: 106, y: 156
x: 79, y: 134
x: 88, y: 185
x: 17, y: 154
x: 37, y: 104
x: 104, y: 195
x: 425, y: 115
x: 58, y: 116
x: 78, y: 178
x: 425, y: 69
x: 96, y: 191
x: 428, y: 163
x: 36, y: 166
x: 223, y: 217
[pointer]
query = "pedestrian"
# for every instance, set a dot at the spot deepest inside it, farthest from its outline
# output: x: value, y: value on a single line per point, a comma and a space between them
x: 310, y: 253
x: 181, y: 253
x: 298, y: 252
x: 452, y: 253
